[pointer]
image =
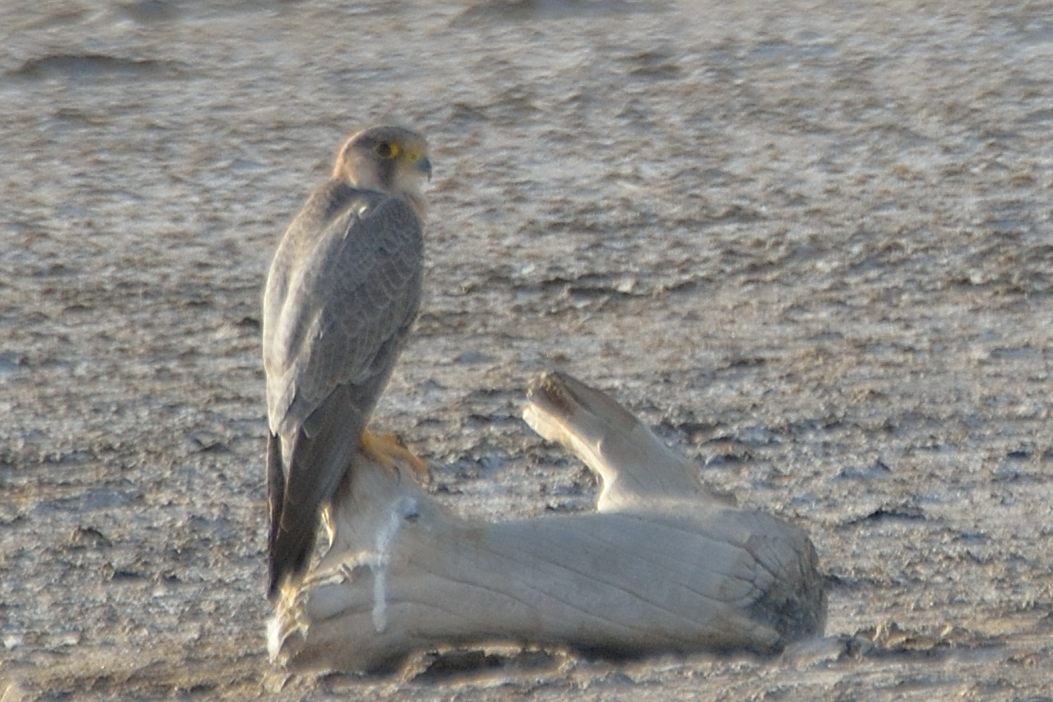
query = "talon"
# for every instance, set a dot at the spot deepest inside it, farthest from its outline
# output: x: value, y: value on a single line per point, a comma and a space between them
x: 388, y: 450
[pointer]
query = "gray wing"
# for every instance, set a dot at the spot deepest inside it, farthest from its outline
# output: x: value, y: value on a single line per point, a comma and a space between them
x: 343, y: 290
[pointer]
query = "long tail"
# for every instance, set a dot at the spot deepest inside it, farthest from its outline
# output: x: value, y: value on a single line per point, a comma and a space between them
x: 294, y: 510
x: 276, y: 563
x: 318, y: 459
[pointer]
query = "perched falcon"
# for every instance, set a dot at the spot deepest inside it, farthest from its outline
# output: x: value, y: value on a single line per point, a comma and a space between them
x: 342, y: 291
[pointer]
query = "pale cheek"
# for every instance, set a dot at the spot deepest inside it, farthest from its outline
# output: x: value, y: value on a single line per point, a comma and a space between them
x: 364, y: 175
x: 408, y: 182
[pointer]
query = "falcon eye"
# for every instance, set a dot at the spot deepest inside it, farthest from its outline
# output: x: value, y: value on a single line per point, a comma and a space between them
x: 386, y: 150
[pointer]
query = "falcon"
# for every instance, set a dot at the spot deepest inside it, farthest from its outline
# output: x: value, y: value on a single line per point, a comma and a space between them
x: 343, y: 290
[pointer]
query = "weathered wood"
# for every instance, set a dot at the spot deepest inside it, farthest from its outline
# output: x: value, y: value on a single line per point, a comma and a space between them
x: 664, y: 564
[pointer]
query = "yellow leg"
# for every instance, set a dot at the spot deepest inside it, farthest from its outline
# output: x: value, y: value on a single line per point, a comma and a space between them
x: 387, y: 449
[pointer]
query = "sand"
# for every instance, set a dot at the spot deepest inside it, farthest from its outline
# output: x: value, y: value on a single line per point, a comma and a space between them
x: 809, y: 242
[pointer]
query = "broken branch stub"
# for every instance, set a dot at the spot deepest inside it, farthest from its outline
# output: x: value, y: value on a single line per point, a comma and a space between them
x: 663, y: 564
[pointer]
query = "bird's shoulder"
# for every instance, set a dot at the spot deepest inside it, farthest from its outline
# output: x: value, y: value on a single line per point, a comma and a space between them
x: 337, y: 221
x: 330, y: 203
x: 352, y: 249
x: 337, y: 210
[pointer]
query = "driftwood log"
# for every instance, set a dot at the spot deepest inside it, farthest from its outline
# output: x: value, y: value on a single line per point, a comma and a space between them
x: 663, y: 564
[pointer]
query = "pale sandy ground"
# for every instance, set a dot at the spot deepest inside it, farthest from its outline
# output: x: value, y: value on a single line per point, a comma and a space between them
x: 810, y: 242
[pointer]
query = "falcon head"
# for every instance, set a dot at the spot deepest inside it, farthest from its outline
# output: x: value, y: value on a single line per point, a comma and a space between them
x: 388, y: 159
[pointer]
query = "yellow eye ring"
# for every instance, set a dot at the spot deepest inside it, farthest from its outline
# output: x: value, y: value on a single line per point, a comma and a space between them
x: 387, y: 149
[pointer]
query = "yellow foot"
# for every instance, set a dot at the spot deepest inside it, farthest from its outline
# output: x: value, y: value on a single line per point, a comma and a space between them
x: 388, y: 449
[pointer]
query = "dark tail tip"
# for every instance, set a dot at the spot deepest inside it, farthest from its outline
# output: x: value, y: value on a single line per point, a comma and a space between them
x: 272, y: 586
x: 287, y: 548
x: 288, y: 559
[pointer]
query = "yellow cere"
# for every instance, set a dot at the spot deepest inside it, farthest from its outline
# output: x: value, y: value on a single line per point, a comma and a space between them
x: 413, y: 155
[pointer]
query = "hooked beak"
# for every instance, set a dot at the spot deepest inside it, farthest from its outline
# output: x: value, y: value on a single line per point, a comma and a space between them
x: 424, y: 166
